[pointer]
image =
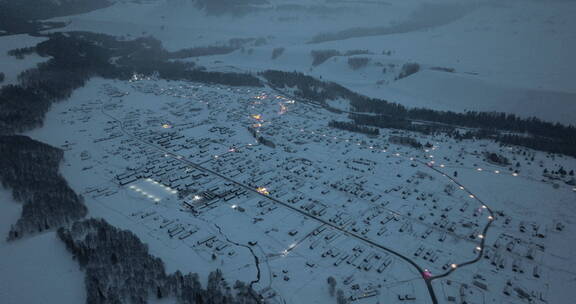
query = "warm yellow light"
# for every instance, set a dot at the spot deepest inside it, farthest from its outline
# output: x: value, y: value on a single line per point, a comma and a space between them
x: 263, y: 190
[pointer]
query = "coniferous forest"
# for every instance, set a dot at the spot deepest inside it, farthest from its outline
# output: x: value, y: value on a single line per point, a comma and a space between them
x: 30, y: 169
x: 119, y: 269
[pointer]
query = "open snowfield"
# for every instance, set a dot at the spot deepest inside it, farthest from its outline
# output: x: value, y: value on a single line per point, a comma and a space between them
x: 36, y: 269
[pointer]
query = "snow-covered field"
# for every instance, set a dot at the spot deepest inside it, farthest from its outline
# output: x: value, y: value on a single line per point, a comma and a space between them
x: 36, y: 269
x: 512, y: 56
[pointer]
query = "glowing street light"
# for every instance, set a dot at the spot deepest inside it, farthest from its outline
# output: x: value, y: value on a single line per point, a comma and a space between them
x: 427, y: 274
x: 263, y: 190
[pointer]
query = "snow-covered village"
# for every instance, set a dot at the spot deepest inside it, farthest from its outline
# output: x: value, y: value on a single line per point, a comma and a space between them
x: 287, y: 151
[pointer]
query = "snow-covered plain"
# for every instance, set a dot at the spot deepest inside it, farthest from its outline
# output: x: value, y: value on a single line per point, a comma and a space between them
x: 36, y: 269
x: 512, y: 56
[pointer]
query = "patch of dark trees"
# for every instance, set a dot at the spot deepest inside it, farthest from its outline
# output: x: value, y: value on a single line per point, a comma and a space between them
x: 320, y: 56
x: 443, y: 69
x: 405, y: 141
x: 528, y: 132
x: 356, y: 63
x: 2, y: 77
x: 408, y: 69
x: 277, y: 52
x: 201, y: 51
x: 20, y: 53
x: 497, y: 158
x: 310, y: 88
x: 78, y: 56
x: 228, y: 47
x: 30, y: 169
x: 261, y: 139
x: 352, y: 127
x: 119, y: 269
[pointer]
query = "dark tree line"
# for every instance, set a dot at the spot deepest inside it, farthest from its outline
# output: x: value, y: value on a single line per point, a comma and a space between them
x: 350, y: 126
x: 19, y: 53
x: 408, y: 69
x: 528, y: 132
x: 230, y: 46
x: 406, y: 141
x: 119, y: 269
x: 201, y: 51
x: 314, y: 89
x: 320, y: 56
x: 30, y: 169
x: 358, y: 62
